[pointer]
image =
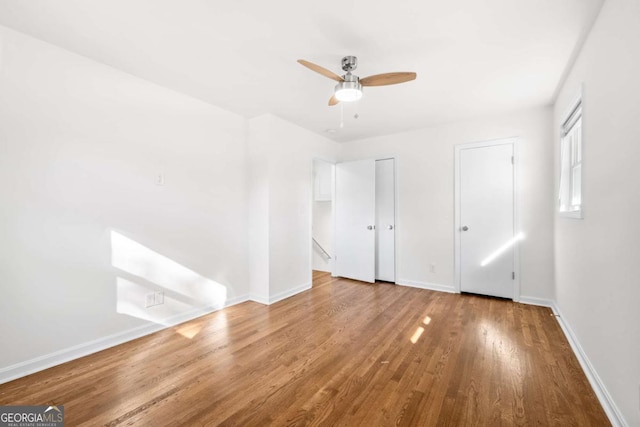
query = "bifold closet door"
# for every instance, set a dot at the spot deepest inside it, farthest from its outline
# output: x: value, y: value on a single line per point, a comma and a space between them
x: 355, y: 211
x: 385, y: 220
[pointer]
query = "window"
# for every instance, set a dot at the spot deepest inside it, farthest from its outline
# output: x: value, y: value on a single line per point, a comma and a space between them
x: 570, y: 197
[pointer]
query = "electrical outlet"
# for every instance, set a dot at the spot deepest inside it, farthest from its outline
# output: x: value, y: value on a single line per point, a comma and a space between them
x: 160, y: 179
x: 154, y: 298
x: 150, y: 300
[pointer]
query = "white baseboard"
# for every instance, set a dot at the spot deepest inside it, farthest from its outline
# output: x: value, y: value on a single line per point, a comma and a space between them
x: 46, y: 361
x: 536, y: 301
x: 609, y: 406
x: 261, y: 299
x: 268, y: 300
x: 289, y: 293
x: 424, y: 285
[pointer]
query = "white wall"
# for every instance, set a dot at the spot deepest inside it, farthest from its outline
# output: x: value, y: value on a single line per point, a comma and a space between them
x: 258, y: 141
x: 286, y: 153
x: 425, y: 173
x: 597, y: 268
x: 80, y: 147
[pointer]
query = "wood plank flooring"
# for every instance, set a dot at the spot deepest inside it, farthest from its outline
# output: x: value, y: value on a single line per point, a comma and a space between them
x: 343, y: 353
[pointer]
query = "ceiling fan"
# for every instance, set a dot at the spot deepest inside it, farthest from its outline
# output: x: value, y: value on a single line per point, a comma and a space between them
x: 349, y: 87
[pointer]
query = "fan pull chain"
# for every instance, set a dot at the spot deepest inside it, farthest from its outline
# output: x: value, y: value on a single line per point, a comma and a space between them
x: 341, y: 115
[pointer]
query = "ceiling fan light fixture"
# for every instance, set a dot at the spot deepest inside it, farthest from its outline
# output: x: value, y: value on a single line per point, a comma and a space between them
x: 348, y: 91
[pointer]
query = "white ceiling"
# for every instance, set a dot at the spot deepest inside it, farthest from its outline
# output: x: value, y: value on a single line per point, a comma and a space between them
x: 472, y: 57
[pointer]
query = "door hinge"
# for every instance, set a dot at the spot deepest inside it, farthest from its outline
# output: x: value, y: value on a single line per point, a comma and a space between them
x: 513, y: 162
x: 513, y: 275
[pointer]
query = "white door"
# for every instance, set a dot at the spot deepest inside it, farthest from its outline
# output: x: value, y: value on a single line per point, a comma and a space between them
x: 486, y: 224
x: 385, y: 220
x: 355, y: 220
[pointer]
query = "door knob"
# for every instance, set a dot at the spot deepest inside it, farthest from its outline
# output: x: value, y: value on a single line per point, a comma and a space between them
x: 370, y: 227
x: 465, y: 228
x: 390, y: 227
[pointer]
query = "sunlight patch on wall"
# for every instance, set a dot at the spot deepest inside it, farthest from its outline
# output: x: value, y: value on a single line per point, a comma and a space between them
x: 183, y: 288
x: 131, y: 301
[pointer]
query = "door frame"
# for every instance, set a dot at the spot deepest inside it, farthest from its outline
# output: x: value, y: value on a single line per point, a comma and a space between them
x: 396, y: 207
x: 514, y: 141
x: 333, y: 163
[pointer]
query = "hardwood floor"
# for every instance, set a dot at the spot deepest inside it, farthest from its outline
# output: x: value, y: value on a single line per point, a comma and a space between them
x: 343, y: 353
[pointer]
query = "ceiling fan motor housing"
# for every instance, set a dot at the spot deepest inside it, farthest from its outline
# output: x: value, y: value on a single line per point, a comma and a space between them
x: 349, y: 63
x: 350, y: 89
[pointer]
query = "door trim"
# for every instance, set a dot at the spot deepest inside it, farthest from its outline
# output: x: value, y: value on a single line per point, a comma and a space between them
x: 514, y: 141
x: 332, y: 162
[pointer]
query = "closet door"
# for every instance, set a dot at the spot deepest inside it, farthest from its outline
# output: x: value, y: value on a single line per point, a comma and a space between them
x: 355, y: 211
x: 385, y: 220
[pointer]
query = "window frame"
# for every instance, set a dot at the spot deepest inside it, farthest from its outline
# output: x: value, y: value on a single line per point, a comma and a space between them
x: 571, y: 160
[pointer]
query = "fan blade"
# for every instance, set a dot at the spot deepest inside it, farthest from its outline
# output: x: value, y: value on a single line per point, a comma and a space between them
x: 333, y: 101
x: 387, y: 79
x: 321, y: 70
